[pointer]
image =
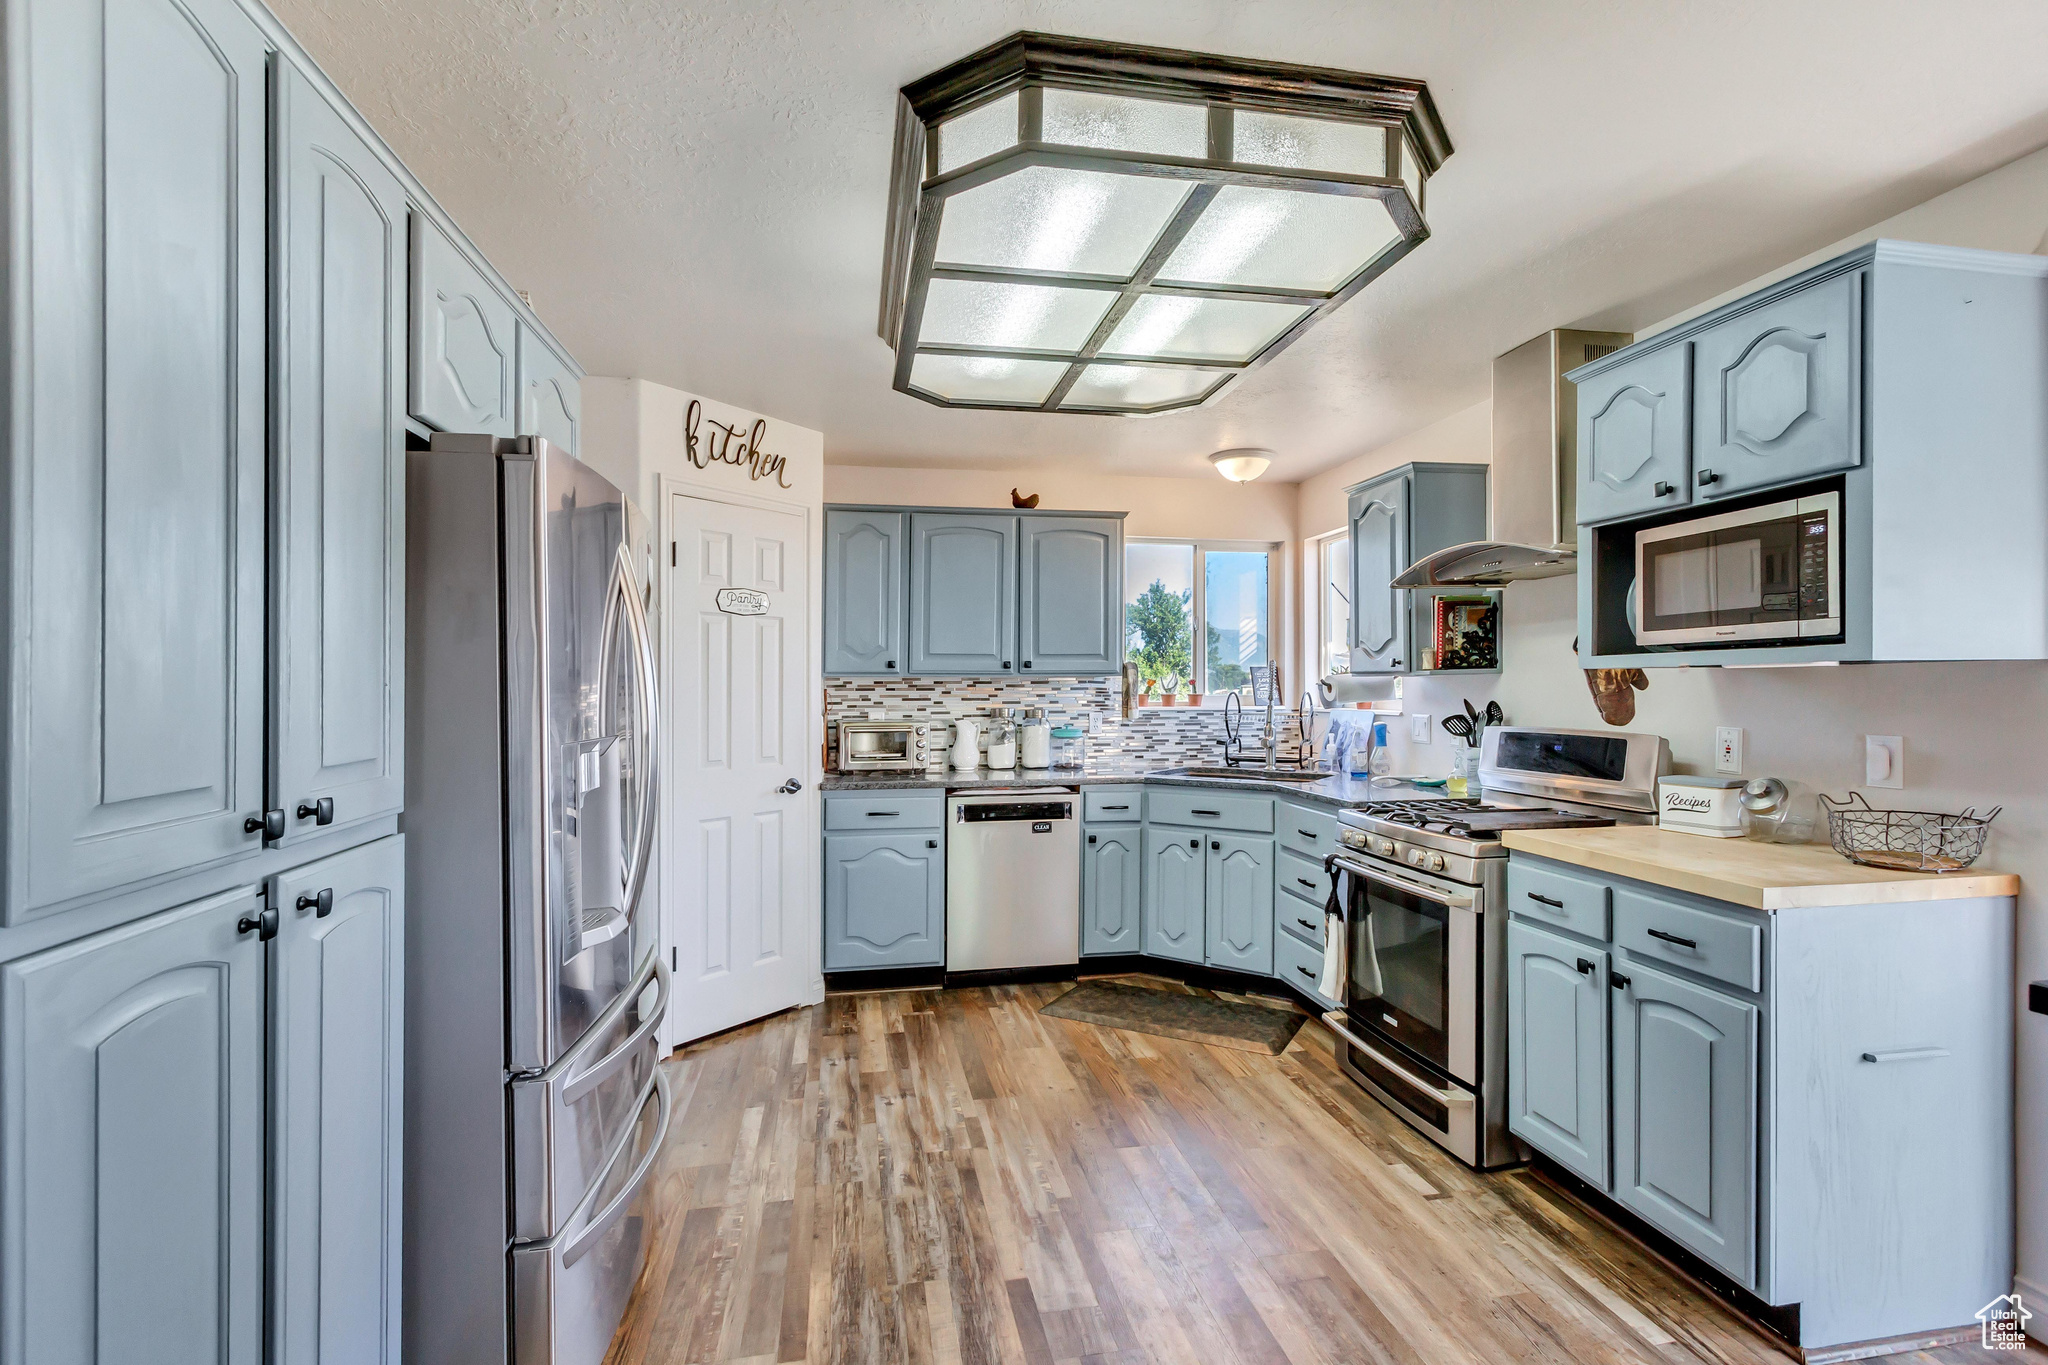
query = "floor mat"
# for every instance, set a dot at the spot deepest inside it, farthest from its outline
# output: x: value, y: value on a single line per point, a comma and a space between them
x: 1170, y: 1014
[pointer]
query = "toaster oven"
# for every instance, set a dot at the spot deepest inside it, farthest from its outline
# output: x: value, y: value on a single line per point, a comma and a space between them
x: 867, y: 746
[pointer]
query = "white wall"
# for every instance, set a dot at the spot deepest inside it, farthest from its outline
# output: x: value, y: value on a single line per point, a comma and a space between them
x: 1974, y: 732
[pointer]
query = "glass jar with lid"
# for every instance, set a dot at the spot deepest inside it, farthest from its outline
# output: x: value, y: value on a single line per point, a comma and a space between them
x: 1069, y: 748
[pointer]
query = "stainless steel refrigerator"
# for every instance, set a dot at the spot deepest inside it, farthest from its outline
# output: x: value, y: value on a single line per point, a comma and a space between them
x: 534, y: 982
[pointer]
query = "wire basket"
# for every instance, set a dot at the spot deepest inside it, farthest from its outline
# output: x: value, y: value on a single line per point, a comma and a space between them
x: 1906, y: 840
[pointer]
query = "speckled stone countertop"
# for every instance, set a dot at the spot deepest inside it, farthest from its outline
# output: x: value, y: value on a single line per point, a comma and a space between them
x: 1334, y: 790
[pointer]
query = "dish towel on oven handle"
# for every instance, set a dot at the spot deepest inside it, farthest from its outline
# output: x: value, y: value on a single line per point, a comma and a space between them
x: 1336, y: 935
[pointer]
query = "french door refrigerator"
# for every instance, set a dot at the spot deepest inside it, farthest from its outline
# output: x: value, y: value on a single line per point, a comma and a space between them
x: 534, y: 1104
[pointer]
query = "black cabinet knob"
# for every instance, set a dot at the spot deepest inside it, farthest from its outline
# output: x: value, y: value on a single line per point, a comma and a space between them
x: 1194, y: 843
x: 1091, y: 838
x: 1708, y: 476
x: 1027, y: 663
x: 1006, y: 663
x: 270, y: 823
x: 321, y: 903
x: 1586, y: 967
x: 1216, y: 844
x: 1663, y: 489
x: 1618, y: 981
x: 891, y: 663
x: 320, y: 812
x: 264, y: 922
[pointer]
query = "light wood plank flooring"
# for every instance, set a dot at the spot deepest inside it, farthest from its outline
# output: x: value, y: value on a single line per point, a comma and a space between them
x: 947, y: 1178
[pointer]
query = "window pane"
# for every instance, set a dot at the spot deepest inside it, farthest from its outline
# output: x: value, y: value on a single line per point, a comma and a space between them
x: 1234, y: 598
x: 1083, y: 118
x: 1336, y: 593
x: 977, y: 133
x: 1159, y: 589
x: 1051, y: 218
x: 1030, y: 316
x: 1285, y: 239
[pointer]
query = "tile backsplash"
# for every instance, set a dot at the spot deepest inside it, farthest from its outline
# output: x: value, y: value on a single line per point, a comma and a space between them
x: 1170, y: 735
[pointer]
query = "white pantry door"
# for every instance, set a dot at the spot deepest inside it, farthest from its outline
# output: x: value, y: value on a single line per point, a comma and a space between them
x: 737, y: 616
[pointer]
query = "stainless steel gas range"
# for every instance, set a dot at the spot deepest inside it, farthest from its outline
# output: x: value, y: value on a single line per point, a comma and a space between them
x: 1423, y: 885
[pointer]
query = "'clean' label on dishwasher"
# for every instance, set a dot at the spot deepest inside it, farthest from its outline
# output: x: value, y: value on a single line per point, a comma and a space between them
x: 1041, y: 827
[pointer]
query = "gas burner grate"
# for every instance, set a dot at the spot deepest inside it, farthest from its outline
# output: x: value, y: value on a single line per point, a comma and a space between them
x: 1420, y: 811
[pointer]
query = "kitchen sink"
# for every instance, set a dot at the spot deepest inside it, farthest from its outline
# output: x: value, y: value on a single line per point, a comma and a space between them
x: 1248, y: 774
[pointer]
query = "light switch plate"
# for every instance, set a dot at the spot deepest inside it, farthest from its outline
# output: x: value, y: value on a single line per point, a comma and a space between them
x: 1418, y: 728
x: 1884, y: 761
x: 1728, y: 749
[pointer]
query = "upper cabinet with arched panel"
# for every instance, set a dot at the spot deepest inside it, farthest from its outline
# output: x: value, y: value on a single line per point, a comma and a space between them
x: 1776, y: 391
x: 1632, y: 437
x: 465, y: 345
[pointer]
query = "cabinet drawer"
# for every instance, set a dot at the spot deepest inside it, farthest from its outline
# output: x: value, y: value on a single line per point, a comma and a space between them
x: 1660, y: 930
x: 886, y: 810
x: 1306, y: 829
x: 1299, y: 965
x: 1210, y: 810
x: 1562, y: 900
x: 1300, y: 919
x: 1111, y: 805
x: 1304, y: 877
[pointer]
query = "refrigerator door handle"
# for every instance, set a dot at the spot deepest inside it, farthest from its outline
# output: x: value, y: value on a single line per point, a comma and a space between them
x: 602, y: 1025
x: 581, y: 1083
x: 587, y: 1236
x: 624, y: 604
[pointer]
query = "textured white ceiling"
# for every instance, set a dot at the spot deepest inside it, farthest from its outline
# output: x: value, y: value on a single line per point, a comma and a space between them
x: 694, y: 194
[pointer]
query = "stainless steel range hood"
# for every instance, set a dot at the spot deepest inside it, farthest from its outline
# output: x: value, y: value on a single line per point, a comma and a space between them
x: 1534, y: 479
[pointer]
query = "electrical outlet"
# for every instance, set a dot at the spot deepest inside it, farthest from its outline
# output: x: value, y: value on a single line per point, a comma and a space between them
x: 1884, y: 761
x: 1728, y: 749
x: 1418, y: 728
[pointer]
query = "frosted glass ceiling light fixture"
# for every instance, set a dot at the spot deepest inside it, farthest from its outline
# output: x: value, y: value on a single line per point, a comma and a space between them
x: 1078, y: 226
x: 1241, y: 466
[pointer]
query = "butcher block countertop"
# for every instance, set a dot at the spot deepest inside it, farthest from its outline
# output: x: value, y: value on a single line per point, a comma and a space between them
x: 1745, y: 872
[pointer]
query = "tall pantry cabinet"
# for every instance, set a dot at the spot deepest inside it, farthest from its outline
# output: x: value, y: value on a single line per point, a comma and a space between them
x: 202, y: 916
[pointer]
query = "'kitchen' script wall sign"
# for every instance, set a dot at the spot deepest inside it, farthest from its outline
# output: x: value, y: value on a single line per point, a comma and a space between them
x: 710, y: 442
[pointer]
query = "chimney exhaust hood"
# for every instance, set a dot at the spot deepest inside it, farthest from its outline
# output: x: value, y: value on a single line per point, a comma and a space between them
x: 1534, y: 477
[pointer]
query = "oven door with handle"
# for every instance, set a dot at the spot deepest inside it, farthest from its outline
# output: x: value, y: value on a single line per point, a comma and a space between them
x: 1414, y: 967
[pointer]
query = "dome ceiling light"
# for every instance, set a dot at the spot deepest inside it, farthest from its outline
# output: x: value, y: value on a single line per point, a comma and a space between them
x: 1079, y: 226
x: 1243, y: 465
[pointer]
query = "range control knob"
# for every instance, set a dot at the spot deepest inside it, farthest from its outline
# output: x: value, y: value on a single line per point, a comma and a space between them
x: 1436, y: 862
x: 1387, y: 848
x: 1415, y: 857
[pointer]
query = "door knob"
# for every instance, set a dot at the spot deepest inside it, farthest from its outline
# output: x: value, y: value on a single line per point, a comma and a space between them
x: 321, y: 903
x: 320, y: 812
x: 270, y: 822
x: 1708, y: 476
x: 1663, y: 489
x: 264, y: 922
x: 791, y: 787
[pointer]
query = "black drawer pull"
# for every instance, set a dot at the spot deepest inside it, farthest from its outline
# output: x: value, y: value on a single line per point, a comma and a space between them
x: 1618, y: 981
x: 1304, y: 924
x: 1116, y: 807
x: 1673, y: 938
x: 875, y: 814
x: 1306, y: 882
x: 1586, y: 967
x: 1306, y: 972
x: 1205, y: 812
x: 1306, y: 835
x: 1545, y: 900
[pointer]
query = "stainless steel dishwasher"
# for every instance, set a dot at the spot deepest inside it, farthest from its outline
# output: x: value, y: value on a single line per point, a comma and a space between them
x: 1013, y: 879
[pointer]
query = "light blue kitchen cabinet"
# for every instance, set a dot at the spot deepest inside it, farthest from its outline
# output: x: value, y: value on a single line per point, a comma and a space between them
x: 1685, y: 1114
x: 1634, y: 437
x: 136, y: 356
x: 550, y: 394
x: 864, y: 591
x: 337, y: 573
x: 1112, y: 857
x: 1239, y: 900
x: 885, y: 900
x: 1397, y: 518
x: 1175, y: 880
x: 337, y: 1100
x: 1379, y: 551
x: 1070, y: 606
x: 963, y: 593
x: 1777, y: 392
x: 1558, y: 1048
x: 131, y: 1068
x: 464, y: 341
